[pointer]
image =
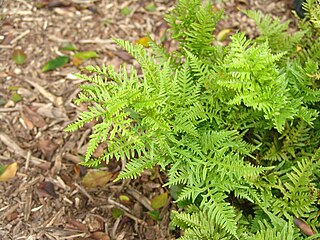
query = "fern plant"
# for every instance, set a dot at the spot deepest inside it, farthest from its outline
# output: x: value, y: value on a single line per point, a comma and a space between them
x: 237, y: 126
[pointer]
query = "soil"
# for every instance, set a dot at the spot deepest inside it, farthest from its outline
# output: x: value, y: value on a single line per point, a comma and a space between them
x: 48, y: 199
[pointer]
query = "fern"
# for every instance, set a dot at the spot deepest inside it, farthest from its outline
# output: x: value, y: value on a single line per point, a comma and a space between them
x: 197, y: 225
x: 275, y: 33
x: 193, y: 24
x: 296, y: 187
x: 269, y: 232
x: 236, y: 127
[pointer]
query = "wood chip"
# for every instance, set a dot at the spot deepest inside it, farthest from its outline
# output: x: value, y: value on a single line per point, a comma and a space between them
x: 57, y: 101
x: 18, y: 150
x: 140, y: 198
x: 27, y: 206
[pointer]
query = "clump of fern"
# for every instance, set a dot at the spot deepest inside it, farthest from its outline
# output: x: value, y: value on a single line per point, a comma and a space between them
x: 237, y: 126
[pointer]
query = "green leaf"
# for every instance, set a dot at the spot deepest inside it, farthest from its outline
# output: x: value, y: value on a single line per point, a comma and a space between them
x: 13, y: 88
x: 175, y: 190
x: 184, y: 203
x: 86, y: 55
x: 2, y: 169
x: 2, y: 101
x: 124, y: 198
x: 96, y: 179
x: 151, y: 7
x: 155, y: 215
x: 19, y: 57
x: 16, y: 97
x: 55, y: 63
x: 116, y: 213
x: 159, y: 201
x: 223, y: 34
x: 67, y: 46
x: 125, y: 11
x: 90, y: 68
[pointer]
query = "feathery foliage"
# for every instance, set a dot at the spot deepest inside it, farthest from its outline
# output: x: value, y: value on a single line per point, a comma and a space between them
x: 236, y: 126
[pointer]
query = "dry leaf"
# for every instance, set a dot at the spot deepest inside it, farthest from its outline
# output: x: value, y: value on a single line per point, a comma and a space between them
x: 303, y: 226
x: 51, y: 4
x: 76, y: 61
x: 99, y: 150
x: 76, y: 225
x: 27, y: 122
x: 8, y: 38
x: 56, y: 4
x: 52, y: 112
x: 80, y: 170
x: 26, y: 93
x: 8, y: 172
x: 100, y: 236
x: 96, y: 179
x: 95, y: 222
x: 46, y: 189
x: 32, y: 119
x: 12, y: 216
x: 243, y: 2
x: 67, y: 179
x: 47, y: 147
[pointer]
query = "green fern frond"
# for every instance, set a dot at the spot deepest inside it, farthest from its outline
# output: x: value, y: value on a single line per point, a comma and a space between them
x: 186, y: 90
x: 313, y: 12
x: 197, y: 225
x: 135, y: 167
x: 192, y: 24
x: 219, y: 211
x: 298, y: 187
x: 275, y: 33
x: 86, y: 117
x: 286, y: 232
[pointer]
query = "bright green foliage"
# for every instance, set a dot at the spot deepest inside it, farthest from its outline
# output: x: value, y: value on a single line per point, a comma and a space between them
x: 236, y: 126
x: 313, y: 12
x: 311, y: 27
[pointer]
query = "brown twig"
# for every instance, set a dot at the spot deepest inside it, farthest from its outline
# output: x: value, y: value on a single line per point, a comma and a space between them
x: 58, y: 101
x: 140, y: 198
x: 18, y: 150
x: 84, y: 192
